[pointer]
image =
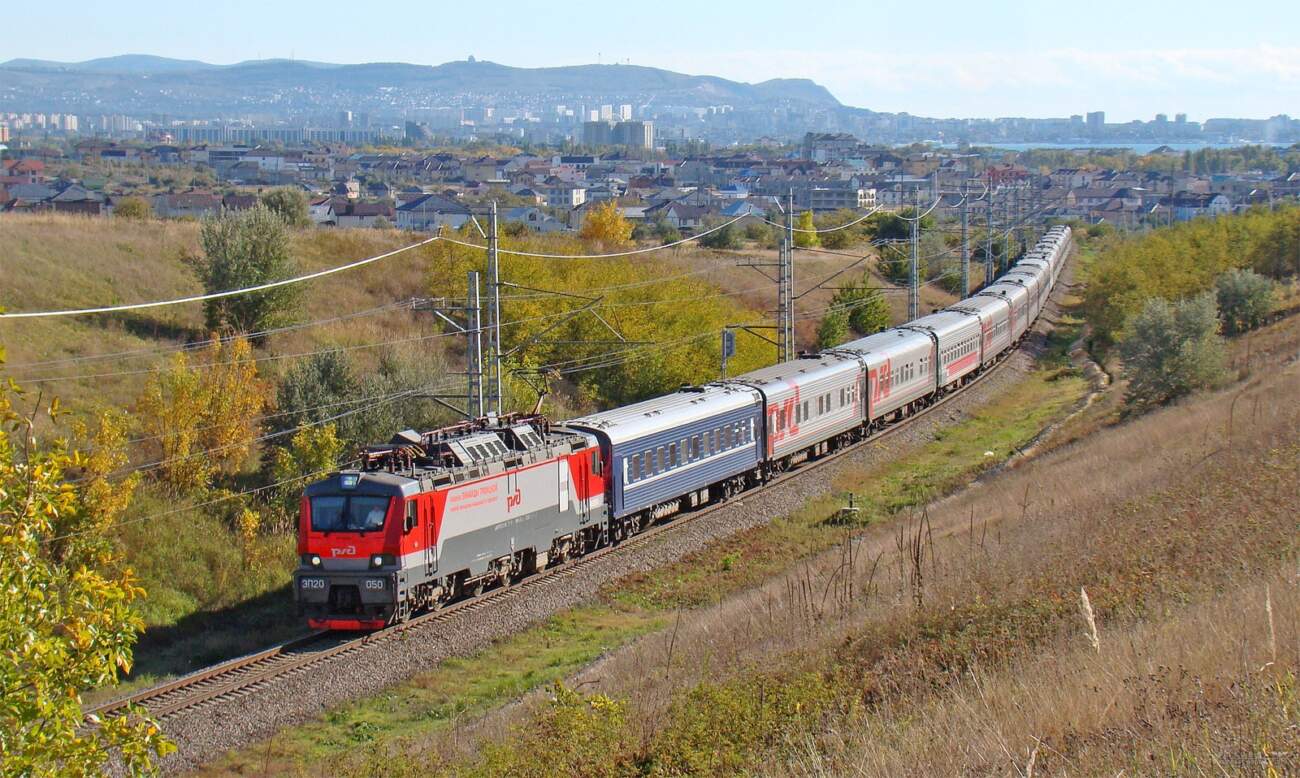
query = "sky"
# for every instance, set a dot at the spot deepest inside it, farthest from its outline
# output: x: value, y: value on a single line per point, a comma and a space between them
x: 966, y: 59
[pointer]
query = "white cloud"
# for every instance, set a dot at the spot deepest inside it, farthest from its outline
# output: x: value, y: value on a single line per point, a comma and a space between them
x: 1227, y: 81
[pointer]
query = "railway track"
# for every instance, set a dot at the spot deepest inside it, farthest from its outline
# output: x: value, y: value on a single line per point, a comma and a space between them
x: 246, y: 675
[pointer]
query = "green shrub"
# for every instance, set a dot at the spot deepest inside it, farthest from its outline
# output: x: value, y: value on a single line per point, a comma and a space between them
x: 730, y: 728
x: 1172, y: 350
x: 572, y: 735
x: 1245, y: 300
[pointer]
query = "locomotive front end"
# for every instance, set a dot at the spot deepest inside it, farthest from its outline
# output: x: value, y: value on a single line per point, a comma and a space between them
x: 349, y: 535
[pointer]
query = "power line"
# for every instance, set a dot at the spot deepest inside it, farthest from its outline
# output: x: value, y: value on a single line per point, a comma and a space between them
x: 612, y: 255
x: 217, y: 295
x: 198, y: 345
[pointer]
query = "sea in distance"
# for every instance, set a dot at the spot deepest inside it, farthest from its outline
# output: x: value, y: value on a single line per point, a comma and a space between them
x: 1136, y: 148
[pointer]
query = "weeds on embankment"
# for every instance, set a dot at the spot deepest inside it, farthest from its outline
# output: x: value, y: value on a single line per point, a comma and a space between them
x: 420, y: 715
x: 957, y: 644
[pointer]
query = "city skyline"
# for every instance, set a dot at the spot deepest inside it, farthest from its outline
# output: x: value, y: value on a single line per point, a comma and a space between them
x: 1009, y: 59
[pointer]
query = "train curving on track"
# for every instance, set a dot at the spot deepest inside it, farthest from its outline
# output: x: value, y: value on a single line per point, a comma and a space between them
x: 797, y: 447
x: 436, y: 517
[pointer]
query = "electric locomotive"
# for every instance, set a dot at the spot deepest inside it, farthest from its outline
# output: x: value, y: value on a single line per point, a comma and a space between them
x: 432, y: 517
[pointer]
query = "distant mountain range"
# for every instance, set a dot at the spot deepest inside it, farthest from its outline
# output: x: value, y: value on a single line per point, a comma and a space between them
x: 137, y: 83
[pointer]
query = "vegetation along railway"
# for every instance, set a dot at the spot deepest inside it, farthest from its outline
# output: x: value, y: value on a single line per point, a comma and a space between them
x: 435, y: 524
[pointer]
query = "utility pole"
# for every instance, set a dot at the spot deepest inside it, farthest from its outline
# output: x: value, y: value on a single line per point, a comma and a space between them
x: 494, y: 341
x: 1010, y: 232
x: 965, y: 241
x: 914, y: 288
x: 474, y: 349
x: 785, y: 286
x: 988, y: 239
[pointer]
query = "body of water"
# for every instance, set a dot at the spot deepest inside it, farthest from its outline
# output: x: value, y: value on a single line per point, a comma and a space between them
x: 1137, y: 148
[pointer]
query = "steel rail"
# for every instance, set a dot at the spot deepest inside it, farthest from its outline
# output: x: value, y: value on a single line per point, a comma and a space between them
x: 245, y: 675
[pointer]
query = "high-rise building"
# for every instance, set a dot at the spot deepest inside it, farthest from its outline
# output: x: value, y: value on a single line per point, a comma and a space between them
x: 1096, y: 120
x: 345, y: 119
x: 597, y: 133
x: 1162, y: 118
x: 636, y: 135
x: 606, y: 113
x: 625, y: 113
x: 1180, y: 118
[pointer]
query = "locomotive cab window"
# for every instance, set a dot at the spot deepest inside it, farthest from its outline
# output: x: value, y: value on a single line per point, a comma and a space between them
x: 351, y: 513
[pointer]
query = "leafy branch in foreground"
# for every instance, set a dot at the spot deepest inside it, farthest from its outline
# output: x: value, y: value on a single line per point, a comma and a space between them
x: 66, y: 617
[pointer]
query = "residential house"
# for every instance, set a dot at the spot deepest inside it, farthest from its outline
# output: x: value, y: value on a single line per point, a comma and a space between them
x: 535, y: 219
x: 1186, y: 206
x: 358, y: 214
x: 429, y: 212
x: 563, y: 194
x: 321, y: 211
x: 186, y: 204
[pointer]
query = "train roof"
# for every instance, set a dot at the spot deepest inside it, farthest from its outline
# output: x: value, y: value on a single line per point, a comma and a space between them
x: 1003, y: 290
x: 684, y: 406
x: 943, y: 323
x: 978, y: 303
x: 808, y: 365
x: 888, y: 342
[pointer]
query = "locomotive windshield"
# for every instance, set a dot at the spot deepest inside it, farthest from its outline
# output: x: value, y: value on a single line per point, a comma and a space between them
x: 348, y: 513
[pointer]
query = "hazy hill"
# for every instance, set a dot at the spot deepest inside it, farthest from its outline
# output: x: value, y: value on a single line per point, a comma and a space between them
x: 157, y: 84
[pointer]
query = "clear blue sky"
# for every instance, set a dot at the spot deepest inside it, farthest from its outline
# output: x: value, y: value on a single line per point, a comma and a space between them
x: 938, y: 58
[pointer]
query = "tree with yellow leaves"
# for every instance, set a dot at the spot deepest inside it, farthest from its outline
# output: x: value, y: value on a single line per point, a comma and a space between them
x: 312, y: 450
x: 606, y: 227
x: 203, y: 419
x: 66, y: 617
x: 804, y: 235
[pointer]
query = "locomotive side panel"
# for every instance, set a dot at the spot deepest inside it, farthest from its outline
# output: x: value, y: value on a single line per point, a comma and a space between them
x: 485, y: 520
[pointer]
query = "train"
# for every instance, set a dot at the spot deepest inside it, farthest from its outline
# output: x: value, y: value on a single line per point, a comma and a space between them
x: 430, y: 518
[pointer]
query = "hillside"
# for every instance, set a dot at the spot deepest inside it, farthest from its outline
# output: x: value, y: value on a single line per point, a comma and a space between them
x: 153, y: 84
x: 951, y: 640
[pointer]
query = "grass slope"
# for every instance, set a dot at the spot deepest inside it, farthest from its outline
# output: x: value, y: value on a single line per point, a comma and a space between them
x: 408, y: 717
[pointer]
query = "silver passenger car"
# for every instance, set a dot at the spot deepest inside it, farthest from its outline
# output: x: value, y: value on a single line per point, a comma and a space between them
x: 808, y: 400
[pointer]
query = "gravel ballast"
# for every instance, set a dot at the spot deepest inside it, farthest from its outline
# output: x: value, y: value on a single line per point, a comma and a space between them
x: 204, y: 733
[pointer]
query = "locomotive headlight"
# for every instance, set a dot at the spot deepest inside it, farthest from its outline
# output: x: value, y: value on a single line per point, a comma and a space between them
x: 311, y: 560
x: 377, y: 560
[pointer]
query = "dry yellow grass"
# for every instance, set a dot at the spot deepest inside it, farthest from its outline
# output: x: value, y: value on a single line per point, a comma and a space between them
x: 964, y: 631
x: 55, y: 261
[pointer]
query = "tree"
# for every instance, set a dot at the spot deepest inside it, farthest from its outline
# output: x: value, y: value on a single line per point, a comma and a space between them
x: 312, y: 450
x: 1245, y: 300
x: 66, y: 618
x: 241, y: 250
x: 807, y: 238
x: 834, y: 328
x: 758, y: 232
x: 202, y: 419
x: 605, y: 226
x: 134, y: 208
x: 868, y: 311
x: 382, y: 223
x: 1172, y: 350
x: 1278, y: 255
x: 666, y: 232
x: 314, y: 389
x: 724, y: 238
x: 289, y: 204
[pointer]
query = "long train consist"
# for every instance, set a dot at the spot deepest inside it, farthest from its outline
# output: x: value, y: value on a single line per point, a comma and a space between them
x: 433, y: 517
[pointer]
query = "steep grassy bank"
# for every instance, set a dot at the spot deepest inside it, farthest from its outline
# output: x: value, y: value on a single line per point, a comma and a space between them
x: 423, y: 714
x: 956, y: 641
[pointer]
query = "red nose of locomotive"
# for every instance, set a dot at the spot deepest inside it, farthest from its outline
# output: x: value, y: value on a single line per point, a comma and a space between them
x: 349, y: 535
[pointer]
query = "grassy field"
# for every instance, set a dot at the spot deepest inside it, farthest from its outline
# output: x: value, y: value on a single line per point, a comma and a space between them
x: 955, y: 640
x: 410, y: 718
